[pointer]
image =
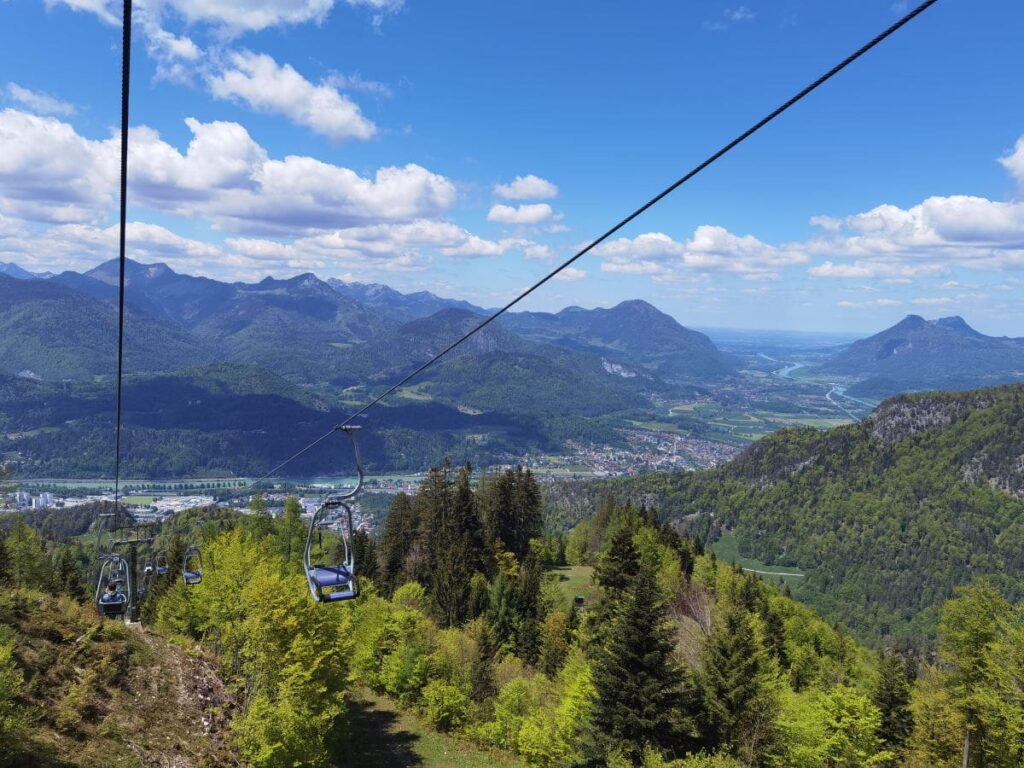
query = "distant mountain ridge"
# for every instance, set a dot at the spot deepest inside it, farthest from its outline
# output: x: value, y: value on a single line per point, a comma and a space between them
x: 634, y: 331
x: 917, y: 354
x: 408, y: 306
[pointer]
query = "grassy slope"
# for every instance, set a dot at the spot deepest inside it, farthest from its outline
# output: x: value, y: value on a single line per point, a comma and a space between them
x: 101, y: 693
x: 382, y: 736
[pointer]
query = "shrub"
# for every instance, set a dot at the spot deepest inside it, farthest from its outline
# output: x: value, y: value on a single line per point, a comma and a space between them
x: 446, y: 707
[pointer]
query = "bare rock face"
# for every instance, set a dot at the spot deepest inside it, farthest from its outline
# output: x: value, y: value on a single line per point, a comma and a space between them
x: 904, y: 417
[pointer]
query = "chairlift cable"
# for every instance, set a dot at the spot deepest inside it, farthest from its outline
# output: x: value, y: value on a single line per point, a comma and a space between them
x: 799, y: 96
x: 126, y: 61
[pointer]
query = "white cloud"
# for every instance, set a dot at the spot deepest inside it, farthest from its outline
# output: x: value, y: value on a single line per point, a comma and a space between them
x: 523, y: 214
x: 885, y: 270
x: 40, y: 103
x: 730, y: 16
x: 1014, y: 162
x: 528, y: 187
x: 873, y: 304
x: 236, y: 16
x: 176, y: 57
x: 267, y: 86
x: 252, y: 15
x: 356, y: 82
x: 571, y: 274
x: 934, y: 301
x: 710, y: 249
x: 388, y: 247
x: 104, y: 9
x: 50, y: 173
x: 928, y: 238
x: 740, y: 14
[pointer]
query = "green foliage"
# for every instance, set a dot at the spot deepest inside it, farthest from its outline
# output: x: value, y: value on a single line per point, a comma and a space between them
x: 13, y: 722
x: 891, y: 695
x: 445, y: 705
x: 886, y: 517
x: 640, y: 688
x: 739, y: 680
x: 288, y: 655
x: 837, y: 728
x: 26, y: 558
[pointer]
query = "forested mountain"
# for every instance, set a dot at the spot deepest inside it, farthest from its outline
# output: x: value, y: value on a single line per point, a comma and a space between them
x: 929, y: 354
x: 885, y: 517
x: 634, y: 332
x: 58, y: 333
x: 497, y: 369
x: 232, y: 420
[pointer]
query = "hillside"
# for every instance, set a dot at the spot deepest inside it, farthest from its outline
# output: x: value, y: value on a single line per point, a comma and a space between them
x: 918, y: 354
x: 885, y: 517
x: 232, y: 420
x: 633, y: 332
x: 99, y: 693
x: 58, y: 333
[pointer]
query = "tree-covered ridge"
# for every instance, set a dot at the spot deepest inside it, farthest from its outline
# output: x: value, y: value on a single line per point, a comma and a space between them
x: 675, y: 659
x: 885, y: 517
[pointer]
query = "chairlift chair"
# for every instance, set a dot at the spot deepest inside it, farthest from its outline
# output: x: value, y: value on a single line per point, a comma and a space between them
x: 192, y: 567
x: 113, y: 571
x: 333, y: 583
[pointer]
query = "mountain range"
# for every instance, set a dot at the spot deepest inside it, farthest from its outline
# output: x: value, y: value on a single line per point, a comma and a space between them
x: 918, y: 354
x: 315, y: 332
x: 304, y: 353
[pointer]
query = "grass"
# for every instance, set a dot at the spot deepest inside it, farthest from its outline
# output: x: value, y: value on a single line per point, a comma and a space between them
x: 415, y: 393
x: 575, y: 580
x: 138, y: 501
x: 727, y: 549
x: 383, y: 736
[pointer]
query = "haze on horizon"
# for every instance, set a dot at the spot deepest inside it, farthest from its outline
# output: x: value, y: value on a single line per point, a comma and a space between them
x: 342, y: 139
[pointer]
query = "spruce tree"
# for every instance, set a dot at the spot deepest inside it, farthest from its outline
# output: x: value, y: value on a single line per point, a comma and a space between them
x: 364, y: 551
x: 639, y: 685
x: 737, y: 680
x: 891, y: 695
x: 291, y: 533
x: 395, y: 542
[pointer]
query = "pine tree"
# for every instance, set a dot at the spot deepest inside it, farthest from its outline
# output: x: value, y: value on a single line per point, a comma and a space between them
x: 291, y: 532
x: 26, y: 557
x: 616, y: 568
x: 527, y: 608
x: 891, y: 694
x: 395, y: 541
x: 455, y: 549
x: 639, y: 686
x: 66, y: 576
x: 262, y: 524
x: 511, y: 511
x: 364, y: 550
x: 738, y: 677
x: 481, y: 672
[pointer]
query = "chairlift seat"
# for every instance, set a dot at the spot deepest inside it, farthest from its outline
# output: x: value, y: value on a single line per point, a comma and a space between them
x: 192, y: 578
x: 333, y: 582
x: 113, y: 605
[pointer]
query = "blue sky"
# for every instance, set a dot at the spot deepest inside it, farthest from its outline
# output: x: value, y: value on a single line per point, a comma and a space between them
x: 381, y: 140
